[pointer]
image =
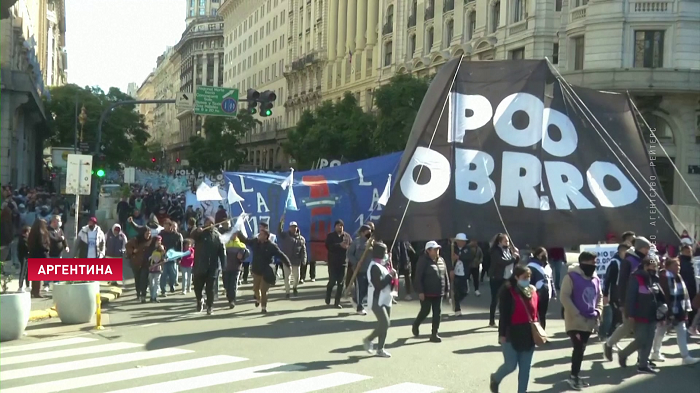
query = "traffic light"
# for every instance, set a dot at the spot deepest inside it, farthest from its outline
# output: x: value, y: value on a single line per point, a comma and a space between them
x: 177, y: 160
x: 252, y: 97
x: 100, y: 173
x: 153, y: 160
x: 266, y: 99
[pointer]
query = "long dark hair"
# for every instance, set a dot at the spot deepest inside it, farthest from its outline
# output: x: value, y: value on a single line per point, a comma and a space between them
x: 38, y: 235
x: 498, y: 239
x: 141, y: 236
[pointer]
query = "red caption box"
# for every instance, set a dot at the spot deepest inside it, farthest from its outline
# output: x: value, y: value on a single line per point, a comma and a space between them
x: 75, y: 269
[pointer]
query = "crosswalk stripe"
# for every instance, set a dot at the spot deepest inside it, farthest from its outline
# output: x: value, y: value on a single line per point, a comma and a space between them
x: 408, y: 387
x: 124, y: 375
x: 183, y: 385
x: 96, y: 349
x: 46, y: 345
x: 312, y: 384
x: 89, y: 363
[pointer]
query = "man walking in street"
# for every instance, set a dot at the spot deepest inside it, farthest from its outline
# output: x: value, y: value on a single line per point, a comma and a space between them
x: 337, y: 244
x: 355, y: 255
x: 292, y: 244
x: 91, y: 241
x: 208, y: 259
x: 172, y: 240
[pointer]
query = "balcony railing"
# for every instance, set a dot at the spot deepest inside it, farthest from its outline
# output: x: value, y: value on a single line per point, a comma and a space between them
x: 412, y: 21
x: 429, y: 13
x: 449, y: 5
x: 387, y: 29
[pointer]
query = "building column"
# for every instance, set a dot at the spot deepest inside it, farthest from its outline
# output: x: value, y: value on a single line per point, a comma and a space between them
x: 361, y: 28
x: 195, y: 61
x: 342, y: 27
x: 372, y: 36
x: 458, y: 21
x: 216, y: 69
x: 352, y: 16
x: 205, y: 60
x: 332, y: 29
x: 438, y: 24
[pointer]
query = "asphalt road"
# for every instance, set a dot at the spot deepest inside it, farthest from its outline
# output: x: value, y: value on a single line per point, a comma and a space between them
x: 301, y: 345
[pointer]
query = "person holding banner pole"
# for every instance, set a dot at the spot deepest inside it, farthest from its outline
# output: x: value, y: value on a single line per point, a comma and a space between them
x: 612, y: 314
x: 504, y: 257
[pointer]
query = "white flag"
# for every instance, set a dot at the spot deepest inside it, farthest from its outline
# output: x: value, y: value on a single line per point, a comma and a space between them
x: 206, y: 193
x: 384, y: 198
x: 289, y: 181
x: 233, y: 196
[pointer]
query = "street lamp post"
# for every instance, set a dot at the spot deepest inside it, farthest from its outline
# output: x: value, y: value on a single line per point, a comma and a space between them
x: 82, y: 119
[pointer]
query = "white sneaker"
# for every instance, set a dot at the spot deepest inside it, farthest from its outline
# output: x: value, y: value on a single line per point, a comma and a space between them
x: 363, y: 312
x: 657, y: 357
x: 383, y: 354
x: 407, y: 298
x: 477, y: 293
x: 458, y: 314
x: 616, y: 348
x: 687, y: 361
x: 369, y: 346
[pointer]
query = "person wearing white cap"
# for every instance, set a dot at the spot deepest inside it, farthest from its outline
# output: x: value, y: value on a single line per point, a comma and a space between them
x: 293, y: 245
x: 466, y: 258
x: 430, y: 282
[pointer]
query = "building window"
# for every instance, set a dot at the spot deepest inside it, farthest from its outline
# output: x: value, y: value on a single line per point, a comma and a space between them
x: 429, y: 40
x: 649, y: 49
x: 387, y: 53
x: 517, y: 54
x: 390, y: 15
x: 555, y: 53
x: 579, y: 51
x: 449, y: 32
x: 557, y: 5
x: 471, y: 25
x: 213, y: 11
x: 495, y: 16
x: 579, y: 3
x: 411, y: 45
x: 519, y: 10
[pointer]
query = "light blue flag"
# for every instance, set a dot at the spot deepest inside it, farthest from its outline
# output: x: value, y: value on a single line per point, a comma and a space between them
x: 291, y: 200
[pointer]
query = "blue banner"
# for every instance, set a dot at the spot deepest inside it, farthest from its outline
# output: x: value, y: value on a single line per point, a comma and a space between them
x: 347, y: 192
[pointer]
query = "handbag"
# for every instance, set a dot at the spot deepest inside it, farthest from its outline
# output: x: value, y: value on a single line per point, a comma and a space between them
x: 539, y: 336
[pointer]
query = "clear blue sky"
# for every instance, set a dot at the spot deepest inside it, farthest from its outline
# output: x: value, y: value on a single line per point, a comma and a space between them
x: 114, y: 42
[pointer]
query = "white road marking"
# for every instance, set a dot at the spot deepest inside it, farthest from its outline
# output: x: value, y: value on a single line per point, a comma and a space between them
x: 408, y: 387
x: 95, y: 349
x: 45, y: 345
x: 312, y: 384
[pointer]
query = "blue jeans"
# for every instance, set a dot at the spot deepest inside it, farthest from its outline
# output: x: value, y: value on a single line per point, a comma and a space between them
x: 557, y: 267
x: 513, y: 359
x: 186, y: 278
x: 153, y: 281
x: 231, y: 284
x: 361, y: 286
x: 169, y: 276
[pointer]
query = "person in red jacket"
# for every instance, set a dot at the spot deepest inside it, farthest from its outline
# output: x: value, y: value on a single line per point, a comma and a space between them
x: 518, y: 306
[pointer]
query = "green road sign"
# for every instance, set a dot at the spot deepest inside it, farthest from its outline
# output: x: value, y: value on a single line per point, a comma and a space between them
x: 216, y: 101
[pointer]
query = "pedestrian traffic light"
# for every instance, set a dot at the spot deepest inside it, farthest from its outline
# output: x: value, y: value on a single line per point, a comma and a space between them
x: 252, y: 98
x: 266, y: 102
x: 100, y: 173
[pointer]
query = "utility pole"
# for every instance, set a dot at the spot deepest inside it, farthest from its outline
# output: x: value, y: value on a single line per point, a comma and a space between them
x: 98, y: 144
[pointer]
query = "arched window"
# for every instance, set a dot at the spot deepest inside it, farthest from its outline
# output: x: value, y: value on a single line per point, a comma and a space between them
x: 390, y: 15
x: 495, y: 16
x: 411, y: 45
x: 387, y: 53
x: 429, y: 39
x: 659, y: 126
x: 449, y: 32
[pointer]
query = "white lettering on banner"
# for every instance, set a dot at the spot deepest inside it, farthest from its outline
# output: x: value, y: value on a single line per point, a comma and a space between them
x: 361, y: 219
x: 254, y: 220
x: 521, y: 172
x: 243, y: 187
x: 605, y: 252
x: 374, y: 205
x: 262, y: 204
x: 362, y: 178
x: 324, y: 163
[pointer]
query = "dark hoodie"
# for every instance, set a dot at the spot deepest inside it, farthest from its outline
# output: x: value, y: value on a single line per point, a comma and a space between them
x: 116, y: 243
x: 644, y: 296
x: 628, y: 266
x: 688, y: 275
x: 610, y: 284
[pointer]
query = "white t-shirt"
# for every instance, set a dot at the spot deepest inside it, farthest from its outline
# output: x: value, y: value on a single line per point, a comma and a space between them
x: 92, y: 243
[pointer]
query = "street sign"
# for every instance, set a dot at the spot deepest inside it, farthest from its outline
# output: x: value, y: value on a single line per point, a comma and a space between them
x: 129, y: 175
x: 84, y: 147
x: 185, y: 100
x: 79, y: 174
x: 216, y: 101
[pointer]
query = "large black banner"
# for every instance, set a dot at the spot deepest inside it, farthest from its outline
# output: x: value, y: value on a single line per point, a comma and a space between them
x: 503, y: 145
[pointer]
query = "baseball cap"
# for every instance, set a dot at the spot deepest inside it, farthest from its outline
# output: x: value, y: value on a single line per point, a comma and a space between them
x: 293, y: 224
x: 93, y: 219
x: 432, y: 244
x: 461, y: 236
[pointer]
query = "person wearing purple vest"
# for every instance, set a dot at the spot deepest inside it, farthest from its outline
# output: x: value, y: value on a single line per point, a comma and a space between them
x: 629, y: 265
x: 582, y: 298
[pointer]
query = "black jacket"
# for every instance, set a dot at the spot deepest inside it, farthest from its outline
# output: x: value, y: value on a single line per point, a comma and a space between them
x: 378, y: 282
x: 210, y: 252
x: 610, y: 287
x: 263, y: 254
x: 336, y: 253
x: 171, y: 240
x: 500, y: 259
x: 688, y: 275
x: 57, y: 241
x: 431, y: 276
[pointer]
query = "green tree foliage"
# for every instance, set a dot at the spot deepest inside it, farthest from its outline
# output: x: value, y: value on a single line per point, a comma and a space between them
x: 220, y: 148
x: 141, y: 156
x: 333, y: 131
x: 397, y: 105
x: 343, y: 130
x: 122, y: 130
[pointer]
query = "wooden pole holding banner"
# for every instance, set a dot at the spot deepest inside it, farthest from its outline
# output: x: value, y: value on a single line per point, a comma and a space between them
x: 370, y: 244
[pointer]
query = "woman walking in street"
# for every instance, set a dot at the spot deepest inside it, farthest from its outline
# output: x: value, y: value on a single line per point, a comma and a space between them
x: 430, y: 283
x: 503, y: 257
x: 517, y: 307
x: 39, y: 245
x: 137, y: 250
x: 541, y: 279
x: 582, y: 300
x: 379, y: 298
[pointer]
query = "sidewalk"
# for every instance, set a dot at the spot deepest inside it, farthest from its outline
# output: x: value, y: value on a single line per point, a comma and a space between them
x: 43, y: 308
